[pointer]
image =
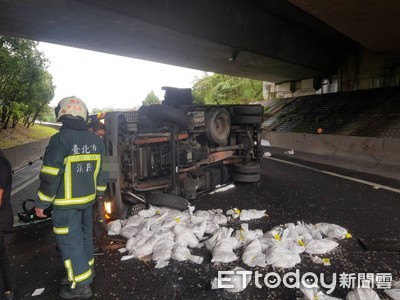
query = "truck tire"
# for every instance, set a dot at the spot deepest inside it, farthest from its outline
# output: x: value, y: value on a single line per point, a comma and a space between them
x: 218, y: 125
x: 225, y: 174
x: 164, y: 113
x: 168, y: 200
x: 250, y: 168
x: 248, y: 178
x: 215, y: 176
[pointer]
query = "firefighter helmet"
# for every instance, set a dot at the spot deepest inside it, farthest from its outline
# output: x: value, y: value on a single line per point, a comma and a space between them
x: 71, y: 107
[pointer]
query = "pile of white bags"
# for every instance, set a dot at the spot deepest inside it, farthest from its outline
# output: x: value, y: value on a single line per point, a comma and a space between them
x: 161, y: 234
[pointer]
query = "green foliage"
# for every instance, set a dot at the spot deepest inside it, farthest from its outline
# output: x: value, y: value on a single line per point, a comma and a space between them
x: 25, y: 85
x: 47, y: 114
x: 224, y: 89
x: 17, y: 111
x: 151, y: 98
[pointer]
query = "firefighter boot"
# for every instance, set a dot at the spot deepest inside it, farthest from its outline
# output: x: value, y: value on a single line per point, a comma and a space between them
x: 64, y: 278
x: 80, y: 292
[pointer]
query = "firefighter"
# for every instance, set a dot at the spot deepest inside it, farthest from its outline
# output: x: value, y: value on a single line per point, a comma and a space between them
x: 97, y: 127
x: 71, y: 178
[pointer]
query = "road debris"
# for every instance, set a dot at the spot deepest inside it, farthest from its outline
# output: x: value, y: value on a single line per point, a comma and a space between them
x: 246, y: 214
x: 38, y: 292
x: 162, y: 234
x: 267, y: 154
x: 291, y: 152
x: 265, y: 143
x: 321, y: 261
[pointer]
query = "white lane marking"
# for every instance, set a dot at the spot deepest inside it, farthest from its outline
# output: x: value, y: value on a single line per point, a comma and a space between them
x: 374, y: 185
x: 30, y: 181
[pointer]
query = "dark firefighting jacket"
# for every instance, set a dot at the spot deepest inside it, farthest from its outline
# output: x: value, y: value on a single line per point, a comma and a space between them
x: 71, y: 175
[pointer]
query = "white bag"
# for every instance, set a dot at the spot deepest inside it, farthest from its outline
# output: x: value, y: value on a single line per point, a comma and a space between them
x: 219, y: 219
x: 245, y: 236
x: 143, y: 250
x: 251, y: 214
x: 199, y: 229
x: 203, y: 214
x: 129, y: 231
x: 253, y: 256
x: 135, y: 221
x: 114, y: 227
x: 161, y: 264
x: 320, y: 246
x: 295, y: 246
x: 147, y: 213
x: 332, y: 231
x: 211, y: 228
x: 181, y: 253
x: 163, y: 250
x: 280, y: 257
x: 185, y: 236
x: 138, y: 240
x: 221, y: 233
x: 223, y: 250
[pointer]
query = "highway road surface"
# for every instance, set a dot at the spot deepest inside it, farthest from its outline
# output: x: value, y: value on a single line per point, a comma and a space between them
x: 290, y: 190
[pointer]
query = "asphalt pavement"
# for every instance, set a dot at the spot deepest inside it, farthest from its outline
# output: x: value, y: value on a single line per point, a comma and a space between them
x: 290, y: 190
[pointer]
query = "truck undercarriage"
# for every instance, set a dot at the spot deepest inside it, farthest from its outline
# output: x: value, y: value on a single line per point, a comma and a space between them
x: 170, y: 153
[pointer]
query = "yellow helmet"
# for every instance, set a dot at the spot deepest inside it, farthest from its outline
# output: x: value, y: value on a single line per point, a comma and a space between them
x: 71, y: 107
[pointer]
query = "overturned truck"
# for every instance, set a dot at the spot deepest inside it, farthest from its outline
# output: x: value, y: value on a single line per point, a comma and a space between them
x: 170, y: 153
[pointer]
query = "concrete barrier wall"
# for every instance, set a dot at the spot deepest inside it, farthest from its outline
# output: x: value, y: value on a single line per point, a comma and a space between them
x: 20, y: 156
x: 378, y: 150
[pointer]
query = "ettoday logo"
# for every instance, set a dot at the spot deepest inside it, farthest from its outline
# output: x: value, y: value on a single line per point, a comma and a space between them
x: 239, y: 279
x: 273, y: 280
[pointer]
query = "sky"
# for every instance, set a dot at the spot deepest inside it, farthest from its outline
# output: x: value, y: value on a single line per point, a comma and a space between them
x: 105, y: 80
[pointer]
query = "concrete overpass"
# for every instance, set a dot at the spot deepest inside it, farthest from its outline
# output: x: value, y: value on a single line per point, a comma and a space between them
x: 277, y: 41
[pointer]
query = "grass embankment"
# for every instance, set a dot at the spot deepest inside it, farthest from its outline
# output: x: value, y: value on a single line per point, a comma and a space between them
x: 21, y: 135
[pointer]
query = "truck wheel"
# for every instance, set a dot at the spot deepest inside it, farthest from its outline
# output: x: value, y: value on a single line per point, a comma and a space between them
x: 164, y: 113
x: 168, y: 200
x: 250, y: 168
x: 248, y: 178
x: 218, y: 125
x: 225, y: 174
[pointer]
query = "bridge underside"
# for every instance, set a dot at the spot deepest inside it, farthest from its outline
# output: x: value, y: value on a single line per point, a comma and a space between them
x: 242, y: 38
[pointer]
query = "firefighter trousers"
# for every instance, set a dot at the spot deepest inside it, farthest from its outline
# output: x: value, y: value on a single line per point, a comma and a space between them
x: 74, y: 233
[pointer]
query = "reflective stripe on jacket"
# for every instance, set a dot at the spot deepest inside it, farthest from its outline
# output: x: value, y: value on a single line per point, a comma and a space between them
x: 71, y: 175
